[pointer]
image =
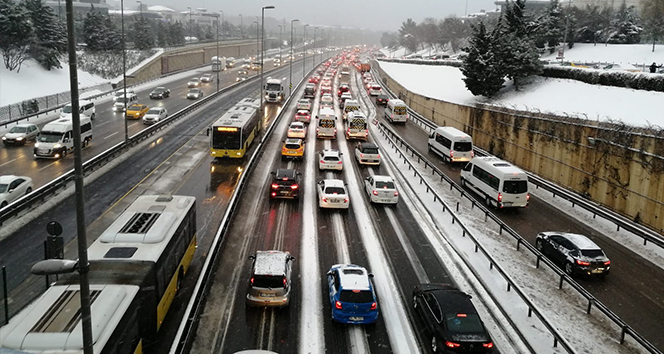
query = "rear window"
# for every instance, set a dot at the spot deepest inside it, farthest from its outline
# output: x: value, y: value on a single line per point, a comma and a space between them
x: 515, y: 187
x: 463, y: 146
x: 334, y: 190
x: 592, y: 253
x: 384, y: 184
x: 375, y: 87
x: 268, y: 281
x: 331, y: 158
x: 292, y: 146
x: 359, y: 297
x: 370, y: 151
x: 469, y: 324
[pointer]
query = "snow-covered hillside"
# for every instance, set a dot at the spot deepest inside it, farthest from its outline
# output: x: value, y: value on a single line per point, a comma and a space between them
x: 613, y: 53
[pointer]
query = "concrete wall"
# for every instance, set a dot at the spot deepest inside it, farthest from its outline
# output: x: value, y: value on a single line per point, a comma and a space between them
x: 617, y: 166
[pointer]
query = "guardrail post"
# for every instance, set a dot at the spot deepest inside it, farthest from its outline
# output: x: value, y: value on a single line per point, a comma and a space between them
x: 452, y: 219
x: 560, y: 284
x: 435, y: 198
x: 590, y: 305
x: 518, y: 244
x: 555, y: 342
x: 644, y: 239
x: 500, y: 232
x: 509, y: 286
x: 457, y: 206
x: 530, y: 311
x: 491, y: 265
x: 46, y: 257
x: 4, y: 291
x: 538, y: 261
x: 618, y: 227
x: 622, y: 334
x: 421, y: 180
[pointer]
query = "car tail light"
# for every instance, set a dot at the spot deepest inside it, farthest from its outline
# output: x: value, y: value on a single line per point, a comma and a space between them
x: 451, y: 153
x: 375, y: 192
x: 500, y: 197
x: 340, y: 162
x: 324, y: 200
x: 452, y: 344
x: 337, y: 305
x: 274, y: 194
x: 322, y: 161
x: 488, y: 345
x: 462, y: 315
x: 378, y: 155
x: 284, y: 149
x: 607, y: 263
x: 345, y: 200
x: 275, y: 186
x: 251, y: 281
x: 396, y: 193
x: 317, y: 129
x: 285, y: 283
x: 582, y: 263
x: 374, y: 305
x: 294, y: 186
x: 362, y: 155
x: 472, y: 153
x: 528, y: 197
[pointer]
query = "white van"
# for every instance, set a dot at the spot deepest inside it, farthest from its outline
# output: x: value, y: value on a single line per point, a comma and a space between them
x: 500, y: 183
x: 349, y: 106
x: 396, y: 111
x: 326, y: 127
x: 451, y: 144
x: 119, y: 106
x: 85, y: 107
x: 56, y: 138
x: 356, y: 126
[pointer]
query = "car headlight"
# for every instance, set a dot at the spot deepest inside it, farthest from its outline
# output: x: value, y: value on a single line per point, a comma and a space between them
x: 36, y: 145
x: 17, y: 139
x: 57, y: 146
x: 3, y: 138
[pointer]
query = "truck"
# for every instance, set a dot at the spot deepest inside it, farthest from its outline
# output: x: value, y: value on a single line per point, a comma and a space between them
x: 274, y: 91
x: 218, y: 64
x: 365, y: 66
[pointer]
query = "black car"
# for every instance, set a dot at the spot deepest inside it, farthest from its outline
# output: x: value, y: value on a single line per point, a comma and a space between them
x: 285, y: 184
x: 451, y: 320
x: 342, y: 89
x: 577, y: 254
x: 382, y: 100
x: 160, y: 92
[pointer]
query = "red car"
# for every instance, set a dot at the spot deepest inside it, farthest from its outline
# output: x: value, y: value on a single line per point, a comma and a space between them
x: 302, y: 116
x: 313, y: 80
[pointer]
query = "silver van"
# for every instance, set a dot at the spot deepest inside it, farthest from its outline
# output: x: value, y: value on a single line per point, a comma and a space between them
x: 270, y: 279
x: 56, y: 138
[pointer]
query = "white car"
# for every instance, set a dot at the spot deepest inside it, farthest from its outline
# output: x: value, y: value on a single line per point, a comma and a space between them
x: 120, y: 93
x: 367, y: 154
x: 13, y: 187
x: 304, y: 103
x: 297, y: 130
x: 381, y: 189
x: 327, y: 99
x: 622, y: 67
x: 332, y: 193
x: 207, y: 78
x: 194, y: 82
x: 20, y: 134
x: 155, y: 115
x: 375, y: 90
x: 330, y: 160
x: 194, y: 94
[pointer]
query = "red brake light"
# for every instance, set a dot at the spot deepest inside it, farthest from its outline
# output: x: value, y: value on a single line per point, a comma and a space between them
x: 339, y: 163
x: 275, y: 186
x: 528, y: 196
x: 322, y: 161
x: 378, y: 155
x: 374, y: 305
x: 472, y: 154
x: 451, y: 153
x: 488, y: 345
x: 337, y: 304
x: 461, y: 315
x: 396, y: 193
x: 500, y: 197
x: 294, y: 186
x: 346, y: 200
x: 325, y: 200
x: 274, y: 194
x: 607, y: 263
x: 452, y: 344
x: 375, y: 192
x: 582, y: 263
x: 252, y: 281
x: 285, y: 283
x: 361, y: 155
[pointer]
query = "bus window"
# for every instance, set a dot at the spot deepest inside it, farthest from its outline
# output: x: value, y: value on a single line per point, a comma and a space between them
x: 226, y: 139
x: 515, y: 187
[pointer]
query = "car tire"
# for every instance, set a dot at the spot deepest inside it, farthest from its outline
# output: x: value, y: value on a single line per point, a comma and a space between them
x: 92, y: 116
x: 63, y: 154
x: 488, y: 202
x: 434, y: 344
x: 4, y: 204
x: 568, y: 268
x: 463, y: 183
x: 28, y: 191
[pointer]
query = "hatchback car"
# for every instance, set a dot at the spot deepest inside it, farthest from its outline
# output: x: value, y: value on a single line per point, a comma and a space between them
x: 136, y: 111
x: 20, y: 134
x: 451, y: 320
x: 194, y: 82
x: 367, y: 154
x: 285, y: 184
x: 342, y: 99
x: 375, y: 90
x: 303, y: 116
x: 292, y: 149
x: 155, y: 115
x: 304, y: 103
x: 121, y: 93
x: 332, y: 193
x: 352, y: 295
x: 330, y: 160
x: 160, y: 92
x: 314, y: 79
x: 327, y: 99
x: 297, y: 130
x: 576, y: 253
x: 207, y: 78
x: 325, y: 89
x: 381, y: 189
x: 13, y: 187
x: 270, y: 280
x: 194, y: 94
x: 242, y: 75
x: 343, y: 88
x: 382, y: 99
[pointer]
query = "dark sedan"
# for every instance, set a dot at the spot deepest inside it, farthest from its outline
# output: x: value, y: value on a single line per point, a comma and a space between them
x: 451, y: 320
x: 160, y: 92
x: 577, y: 254
x: 382, y: 100
x: 285, y: 184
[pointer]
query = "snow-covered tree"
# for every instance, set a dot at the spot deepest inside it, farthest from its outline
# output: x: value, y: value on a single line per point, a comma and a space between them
x: 552, y: 28
x: 143, y: 36
x: 176, y: 33
x: 625, y: 27
x: 453, y: 31
x: 16, y: 33
x: 653, y: 16
x: 162, y: 34
x: 428, y: 31
x: 515, y: 46
x: 49, y: 42
x: 408, y: 35
x: 482, y: 67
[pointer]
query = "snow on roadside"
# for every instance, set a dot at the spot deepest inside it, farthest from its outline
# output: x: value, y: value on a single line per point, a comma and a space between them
x: 559, y: 96
x: 612, y: 53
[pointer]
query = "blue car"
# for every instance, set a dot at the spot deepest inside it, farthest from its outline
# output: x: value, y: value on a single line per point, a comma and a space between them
x: 352, y: 296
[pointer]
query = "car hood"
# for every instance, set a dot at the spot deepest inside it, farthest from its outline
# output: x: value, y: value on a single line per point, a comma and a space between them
x: 14, y: 135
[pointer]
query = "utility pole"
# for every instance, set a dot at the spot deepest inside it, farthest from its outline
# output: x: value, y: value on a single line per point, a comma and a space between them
x: 290, y: 83
x: 218, y: 61
x: 241, y: 26
x: 281, y: 32
x: 222, y: 28
x: 191, y: 26
x: 263, y: 55
x: 124, y: 69
x: 304, y: 41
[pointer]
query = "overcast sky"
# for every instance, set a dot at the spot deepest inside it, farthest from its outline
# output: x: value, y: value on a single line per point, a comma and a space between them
x: 383, y: 15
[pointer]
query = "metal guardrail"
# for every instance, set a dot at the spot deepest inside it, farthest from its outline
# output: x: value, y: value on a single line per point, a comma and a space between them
x: 592, y: 301
x: 184, y: 337
x: 39, y: 195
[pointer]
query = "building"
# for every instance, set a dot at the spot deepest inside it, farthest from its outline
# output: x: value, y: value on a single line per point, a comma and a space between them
x: 81, y: 7
x: 199, y: 16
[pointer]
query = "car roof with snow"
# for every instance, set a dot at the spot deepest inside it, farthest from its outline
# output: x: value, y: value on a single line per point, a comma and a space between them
x: 330, y: 152
x: 303, y: 100
x: 270, y: 262
x: 580, y: 241
x: 294, y: 141
x: 353, y: 277
x: 334, y: 183
x: 381, y: 178
x: 297, y: 124
x: 302, y: 112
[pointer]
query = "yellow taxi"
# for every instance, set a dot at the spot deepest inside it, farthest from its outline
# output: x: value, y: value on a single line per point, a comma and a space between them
x: 293, y: 149
x: 137, y: 111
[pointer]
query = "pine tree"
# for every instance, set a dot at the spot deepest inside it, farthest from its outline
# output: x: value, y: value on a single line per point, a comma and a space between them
x: 553, y: 26
x: 16, y: 33
x: 113, y: 38
x: 408, y: 35
x: 482, y: 67
x: 143, y: 36
x: 452, y: 31
x: 162, y: 34
x: 625, y: 26
x: 50, y: 39
x: 653, y: 16
x: 176, y: 34
x: 94, y: 32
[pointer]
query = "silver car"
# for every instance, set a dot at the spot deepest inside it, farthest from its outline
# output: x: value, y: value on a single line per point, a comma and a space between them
x: 330, y: 160
x: 381, y: 189
x: 270, y: 280
x: 332, y: 193
x: 155, y: 115
x: 367, y: 154
x: 13, y: 187
x: 20, y: 134
x: 194, y: 94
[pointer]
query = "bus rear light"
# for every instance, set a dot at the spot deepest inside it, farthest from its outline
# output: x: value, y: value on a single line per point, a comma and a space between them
x: 285, y: 283
x: 472, y: 153
x: 322, y: 161
x: 274, y: 194
x: 324, y: 200
x: 251, y: 281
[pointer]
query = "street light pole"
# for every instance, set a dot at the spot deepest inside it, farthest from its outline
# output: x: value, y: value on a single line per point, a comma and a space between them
x: 124, y: 69
x: 263, y: 54
x: 218, y: 61
x: 257, y: 40
x: 281, y: 32
x: 83, y: 266
x: 241, y: 25
x: 321, y: 55
x: 304, y: 41
x: 191, y: 27
x: 140, y: 8
x: 290, y: 82
x: 222, y: 28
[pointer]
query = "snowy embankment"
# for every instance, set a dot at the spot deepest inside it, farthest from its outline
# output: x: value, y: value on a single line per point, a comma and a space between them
x: 558, y: 96
x: 635, y: 54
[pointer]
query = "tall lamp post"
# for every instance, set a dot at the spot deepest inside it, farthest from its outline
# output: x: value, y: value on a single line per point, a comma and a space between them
x: 290, y: 82
x: 281, y: 32
x: 304, y: 41
x: 191, y: 27
x: 241, y: 26
x: 263, y: 53
x: 218, y: 62
x: 222, y: 28
x: 257, y: 39
x: 124, y: 68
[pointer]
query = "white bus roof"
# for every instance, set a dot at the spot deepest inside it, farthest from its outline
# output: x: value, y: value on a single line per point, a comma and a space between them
x: 397, y: 102
x: 249, y: 102
x: 273, y: 81
x: 52, y: 324
x: 236, y: 117
x: 452, y: 131
x: 143, y: 230
x: 499, y: 168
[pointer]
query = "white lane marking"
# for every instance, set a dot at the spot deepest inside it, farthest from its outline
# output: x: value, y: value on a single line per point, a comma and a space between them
x: 108, y: 136
x: 8, y: 162
x: 47, y: 166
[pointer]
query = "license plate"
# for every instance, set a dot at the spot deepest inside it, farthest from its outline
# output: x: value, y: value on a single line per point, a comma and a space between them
x: 283, y: 192
x: 334, y: 200
x: 42, y: 151
x: 598, y: 270
x: 507, y: 203
x: 267, y: 295
x: 356, y: 318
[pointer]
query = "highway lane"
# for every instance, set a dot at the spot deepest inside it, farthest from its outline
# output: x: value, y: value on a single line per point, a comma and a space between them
x: 635, y: 286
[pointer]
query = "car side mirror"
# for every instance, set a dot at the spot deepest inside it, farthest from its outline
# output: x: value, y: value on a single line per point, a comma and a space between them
x: 291, y: 258
x: 330, y: 273
x: 207, y: 132
x: 367, y: 178
x: 371, y: 275
x: 252, y: 257
x: 299, y: 173
x: 316, y: 116
x: 272, y: 173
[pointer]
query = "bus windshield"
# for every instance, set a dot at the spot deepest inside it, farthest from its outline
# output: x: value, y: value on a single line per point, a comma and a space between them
x: 49, y: 137
x: 226, y: 139
x: 515, y: 187
x: 273, y: 87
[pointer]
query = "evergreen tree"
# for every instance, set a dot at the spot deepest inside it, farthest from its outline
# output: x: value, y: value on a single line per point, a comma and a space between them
x: 482, y: 67
x: 408, y: 35
x: 653, y: 16
x: 625, y: 26
x: 176, y: 34
x: 16, y: 33
x: 553, y: 28
x: 113, y: 39
x: 50, y: 36
x: 143, y: 36
x: 162, y: 34
x: 93, y: 30
x: 452, y: 31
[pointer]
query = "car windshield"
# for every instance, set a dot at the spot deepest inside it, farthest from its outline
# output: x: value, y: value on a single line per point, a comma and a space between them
x: 19, y: 130
x: 515, y: 187
x: 268, y: 281
x: 194, y: 79
x: 120, y: 99
x: 334, y: 190
x: 154, y: 111
x: 273, y: 87
x: 372, y: 151
x: 66, y: 109
x: 592, y: 253
x: 158, y: 90
x: 49, y: 137
x: 463, y: 146
x: 303, y: 102
x: 3, y: 188
x: 194, y: 91
x: 135, y: 108
x: 358, y: 297
x: 463, y: 323
x: 385, y: 184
